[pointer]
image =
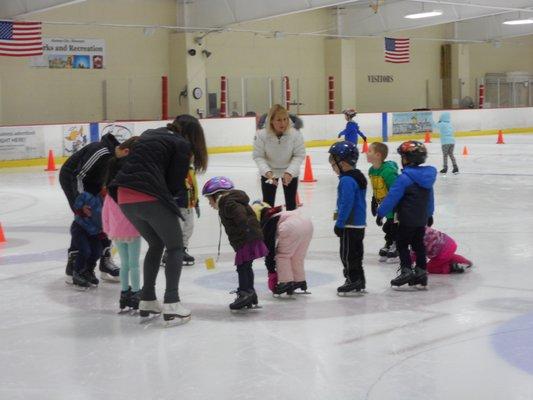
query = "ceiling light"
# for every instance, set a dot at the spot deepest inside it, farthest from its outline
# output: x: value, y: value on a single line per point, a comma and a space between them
x: 519, y: 22
x: 427, y: 14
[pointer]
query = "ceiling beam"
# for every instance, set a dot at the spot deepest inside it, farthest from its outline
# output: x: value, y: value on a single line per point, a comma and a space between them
x: 474, y: 5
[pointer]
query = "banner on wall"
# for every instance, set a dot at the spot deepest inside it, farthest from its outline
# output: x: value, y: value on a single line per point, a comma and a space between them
x: 66, y: 53
x: 412, y: 122
x: 74, y: 138
x: 21, y: 142
x: 121, y: 130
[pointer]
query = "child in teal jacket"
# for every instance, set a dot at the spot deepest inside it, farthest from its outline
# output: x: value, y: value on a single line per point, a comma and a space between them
x: 447, y: 141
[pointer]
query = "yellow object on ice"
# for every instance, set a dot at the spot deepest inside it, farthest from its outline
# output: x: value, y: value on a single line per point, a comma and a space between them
x: 210, y: 263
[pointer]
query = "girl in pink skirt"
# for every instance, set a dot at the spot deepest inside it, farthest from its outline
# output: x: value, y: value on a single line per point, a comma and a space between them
x: 287, y: 236
x: 440, y: 249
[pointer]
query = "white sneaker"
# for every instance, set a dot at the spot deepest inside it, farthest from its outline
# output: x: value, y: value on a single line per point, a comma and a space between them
x: 173, y: 310
x: 147, y: 307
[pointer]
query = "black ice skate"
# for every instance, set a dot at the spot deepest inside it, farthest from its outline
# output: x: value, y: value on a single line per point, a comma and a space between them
x: 135, y: 298
x: 383, y: 253
x: 187, y: 259
x: 349, y: 287
x: 420, y: 278
x: 283, y: 287
x: 70, y: 265
x: 109, y: 271
x: 405, y: 276
x: 392, y: 254
x: 455, y: 170
x: 300, y: 287
x: 91, y: 277
x: 79, y: 280
x: 124, y: 301
x: 245, y: 299
x: 444, y: 170
x: 456, y: 268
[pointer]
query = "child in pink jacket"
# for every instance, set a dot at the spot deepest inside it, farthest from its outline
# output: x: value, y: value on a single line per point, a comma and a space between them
x: 440, y: 249
x: 125, y: 236
x: 287, y: 235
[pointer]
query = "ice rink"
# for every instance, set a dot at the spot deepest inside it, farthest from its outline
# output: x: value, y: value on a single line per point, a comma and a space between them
x: 469, y: 336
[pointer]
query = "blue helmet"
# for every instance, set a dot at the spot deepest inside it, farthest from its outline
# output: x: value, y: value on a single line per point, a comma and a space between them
x: 345, y: 151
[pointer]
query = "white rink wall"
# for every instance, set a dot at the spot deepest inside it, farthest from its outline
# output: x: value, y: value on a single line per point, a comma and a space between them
x: 231, y: 134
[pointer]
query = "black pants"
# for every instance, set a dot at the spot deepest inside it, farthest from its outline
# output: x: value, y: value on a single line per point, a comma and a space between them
x: 411, y: 236
x: 390, y: 228
x: 269, y: 192
x: 160, y: 227
x: 89, y: 248
x: 246, y: 276
x: 351, y: 252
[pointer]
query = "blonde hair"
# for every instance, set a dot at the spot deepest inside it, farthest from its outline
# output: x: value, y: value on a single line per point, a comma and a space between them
x: 274, y: 111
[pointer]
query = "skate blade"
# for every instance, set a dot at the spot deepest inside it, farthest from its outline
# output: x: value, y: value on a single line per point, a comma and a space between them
x: 382, y: 259
x: 353, y: 293
x: 244, y: 310
x: 128, y: 311
x: 109, y: 278
x: 176, y: 321
x: 286, y: 297
x: 302, y: 292
x: 188, y: 264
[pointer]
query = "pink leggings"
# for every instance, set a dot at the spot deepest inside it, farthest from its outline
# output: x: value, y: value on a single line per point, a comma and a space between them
x: 441, y: 263
x: 294, y: 236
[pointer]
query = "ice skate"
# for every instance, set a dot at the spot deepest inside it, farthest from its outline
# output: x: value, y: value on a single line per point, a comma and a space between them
x: 91, y: 277
x: 356, y: 287
x: 383, y: 253
x: 392, y: 254
x: 283, y: 287
x: 405, y: 276
x: 70, y: 266
x: 175, y: 313
x: 420, y: 278
x: 444, y: 171
x: 455, y: 170
x: 457, y: 268
x: 109, y: 271
x: 187, y: 259
x: 245, y: 299
x: 80, y: 281
x: 149, y: 308
x: 124, y: 300
x: 300, y: 287
x: 133, y: 301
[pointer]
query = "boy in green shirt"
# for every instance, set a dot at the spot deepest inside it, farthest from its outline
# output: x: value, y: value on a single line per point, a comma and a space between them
x: 382, y: 175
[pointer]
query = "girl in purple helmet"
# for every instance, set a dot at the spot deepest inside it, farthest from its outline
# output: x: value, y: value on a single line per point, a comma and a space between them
x: 244, y: 234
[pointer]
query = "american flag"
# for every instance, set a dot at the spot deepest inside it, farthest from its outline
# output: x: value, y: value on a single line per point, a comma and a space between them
x: 397, y: 50
x: 20, y: 39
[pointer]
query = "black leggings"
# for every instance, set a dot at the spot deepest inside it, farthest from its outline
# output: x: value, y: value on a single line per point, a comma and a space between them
x: 161, y: 229
x: 269, y: 192
x: 246, y: 276
x: 351, y: 252
x: 411, y: 236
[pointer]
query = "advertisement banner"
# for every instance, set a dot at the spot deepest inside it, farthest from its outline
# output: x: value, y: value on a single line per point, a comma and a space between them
x: 121, y: 130
x: 412, y: 122
x: 21, y: 142
x: 66, y: 53
x: 74, y: 138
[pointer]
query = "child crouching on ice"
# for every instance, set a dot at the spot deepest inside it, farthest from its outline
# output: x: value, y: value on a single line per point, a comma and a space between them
x: 287, y: 236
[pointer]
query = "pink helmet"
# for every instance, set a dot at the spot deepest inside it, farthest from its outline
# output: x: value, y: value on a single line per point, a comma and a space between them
x: 217, y: 184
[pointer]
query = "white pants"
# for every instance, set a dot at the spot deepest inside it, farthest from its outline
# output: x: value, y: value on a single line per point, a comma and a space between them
x: 187, y: 226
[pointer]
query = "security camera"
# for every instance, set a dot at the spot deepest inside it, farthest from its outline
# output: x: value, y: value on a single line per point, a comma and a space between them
x: 206, y: 53
x: 198, y: 40
x: 191, y: 52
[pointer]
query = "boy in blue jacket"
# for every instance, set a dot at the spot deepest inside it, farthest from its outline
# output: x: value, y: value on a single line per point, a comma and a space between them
x: 352, y: 130
x: 86, y: 231
x: 411, y: 197
x: 351, y: 214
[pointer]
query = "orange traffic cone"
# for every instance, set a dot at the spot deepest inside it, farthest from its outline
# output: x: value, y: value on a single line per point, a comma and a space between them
x: 365, y: 147
x: 51, y: 162
x: 500, y: 137
x: 427, y: 138
x: 308, y: 172
x: 465, y: 151
x: 2, y: 236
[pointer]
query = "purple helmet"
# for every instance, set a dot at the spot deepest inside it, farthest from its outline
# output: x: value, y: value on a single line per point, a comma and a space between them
x: 217, y: 184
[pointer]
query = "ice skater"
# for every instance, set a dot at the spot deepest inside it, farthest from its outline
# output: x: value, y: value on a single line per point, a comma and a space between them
x: 352, y: 131
x: 287, y: 235
x: 382, y: 176
x: 441, y: 252
x: 244, y: 234
x: 447, y: 141
x: 411, y: 196
x: 125, y: 236
x: 351, y: 214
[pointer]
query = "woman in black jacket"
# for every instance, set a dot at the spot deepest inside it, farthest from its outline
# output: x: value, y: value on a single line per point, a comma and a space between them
x: 145, y: 188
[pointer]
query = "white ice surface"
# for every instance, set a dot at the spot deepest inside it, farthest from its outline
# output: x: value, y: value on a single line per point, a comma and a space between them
x: 469, y: 336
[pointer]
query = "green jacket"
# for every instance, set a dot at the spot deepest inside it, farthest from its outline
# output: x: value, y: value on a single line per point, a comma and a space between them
x: 382, y: 179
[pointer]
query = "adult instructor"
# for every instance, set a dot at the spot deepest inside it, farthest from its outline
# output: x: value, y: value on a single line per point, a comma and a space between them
x: 279, y: 151
x: 146, y: 186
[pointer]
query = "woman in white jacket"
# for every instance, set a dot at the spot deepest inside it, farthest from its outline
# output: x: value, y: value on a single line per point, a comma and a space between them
x: 279, y: 151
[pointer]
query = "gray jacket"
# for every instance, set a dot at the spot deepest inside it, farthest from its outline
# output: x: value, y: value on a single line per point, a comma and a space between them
x: 279, y: 155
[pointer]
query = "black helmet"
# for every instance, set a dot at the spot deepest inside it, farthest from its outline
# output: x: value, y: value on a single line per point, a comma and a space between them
x: 345, y: 151
x: 413, y: 152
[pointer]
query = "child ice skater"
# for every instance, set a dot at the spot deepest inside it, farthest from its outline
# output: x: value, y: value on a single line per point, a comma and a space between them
x: 447, y: 141
x: 382, y: 175
x: 244, y: 234
x: 411, y: 196
x: 352, y: 130
x: 440, y: 249
x: 351, y: 214
x: 125, y: 236
x: 287, y: 235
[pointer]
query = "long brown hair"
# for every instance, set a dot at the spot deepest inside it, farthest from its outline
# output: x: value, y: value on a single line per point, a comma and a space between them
x: 189, y: 127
